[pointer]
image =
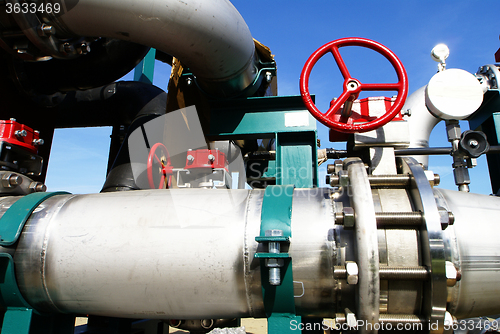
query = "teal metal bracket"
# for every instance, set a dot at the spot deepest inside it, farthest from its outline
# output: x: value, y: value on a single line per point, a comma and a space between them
x: 487, y: 119
x: 20, y: 317
x: 279, y: 302
x: 264, y: 69
x: 284, y: 118
x: 145, y: 70
x: 13, y: 220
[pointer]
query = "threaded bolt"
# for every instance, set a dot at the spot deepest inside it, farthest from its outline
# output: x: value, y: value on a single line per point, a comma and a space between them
x: 274, y: 265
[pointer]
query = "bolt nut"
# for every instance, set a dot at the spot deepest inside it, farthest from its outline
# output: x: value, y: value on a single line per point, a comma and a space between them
x: 348, y: 217
x: 190, y: 158
x: 37, y: 187
x: 211, y: 157
x: 20, y: 133
x: 11, y: 180
x: 207, y: 323
x: 330, y: 168
x: 338, y: 165
x: 274, y: 233
x: 83, y: 49
x: 269, y: 76
x: 449, y: 320
x: 451, y: 274
x: 343, y: 178
x: 275, y: 263
x: 67, y: 48
x: 453, y: 130
x: 38, y: 142
x: 350, y: 319
x: 446, y: 218
x: 352, y: 272
x: 45, y: 30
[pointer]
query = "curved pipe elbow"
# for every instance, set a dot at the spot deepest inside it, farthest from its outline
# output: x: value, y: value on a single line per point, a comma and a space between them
x: 209, y: 37
x: 421, y: 123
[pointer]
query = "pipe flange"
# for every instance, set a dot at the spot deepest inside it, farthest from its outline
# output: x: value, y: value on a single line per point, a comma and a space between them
x: 366, y: 236
x: 432, y: 245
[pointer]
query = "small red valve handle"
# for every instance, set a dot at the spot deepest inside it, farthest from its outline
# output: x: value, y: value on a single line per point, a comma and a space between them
x: 166, y: 169
x: 352, y: 87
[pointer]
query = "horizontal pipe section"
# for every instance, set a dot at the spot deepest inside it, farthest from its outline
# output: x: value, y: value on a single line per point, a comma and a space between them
x: 168, y: 254
x: 209, y: 37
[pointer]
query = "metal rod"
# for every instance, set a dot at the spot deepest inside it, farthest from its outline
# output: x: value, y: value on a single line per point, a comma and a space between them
x: 332, y: 153
x: 387, y: 219
x: 418, y: 273
x: 340, y: 318
x: 402, y: 319
x: 399, y: 218
x: 340, y: 272
x: 436, y: 151
x: 380, y: 180
x: 424, y: 151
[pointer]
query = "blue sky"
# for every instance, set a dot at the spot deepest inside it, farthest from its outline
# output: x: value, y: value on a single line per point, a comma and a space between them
x: 293, y: 30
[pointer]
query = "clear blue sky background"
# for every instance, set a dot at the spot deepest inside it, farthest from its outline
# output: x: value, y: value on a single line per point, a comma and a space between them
x: 293, y: 30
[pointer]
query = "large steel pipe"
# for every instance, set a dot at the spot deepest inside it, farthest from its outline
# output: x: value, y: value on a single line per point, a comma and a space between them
x: 473, y: 240
x: 209, y: 37
x: 189, y: 254
x: 168, y: 254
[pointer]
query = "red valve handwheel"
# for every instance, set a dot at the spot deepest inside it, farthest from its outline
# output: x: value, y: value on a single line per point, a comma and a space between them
x: 166, y: 169
x: 353, y: 87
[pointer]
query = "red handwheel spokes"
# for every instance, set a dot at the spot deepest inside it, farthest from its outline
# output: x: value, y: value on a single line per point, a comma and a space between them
x: 159, y: 157
x: 352, y: 87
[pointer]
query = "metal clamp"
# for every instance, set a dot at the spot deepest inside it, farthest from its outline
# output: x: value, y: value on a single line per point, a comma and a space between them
x: 274, y: 259
x: 13, y: 220
x: 275, y: 230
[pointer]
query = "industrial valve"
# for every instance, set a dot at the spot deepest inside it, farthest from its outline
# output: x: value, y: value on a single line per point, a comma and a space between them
x: 338, y: 116
x: 18, y: 158
x: 165, y: 168
x: 474, y: 143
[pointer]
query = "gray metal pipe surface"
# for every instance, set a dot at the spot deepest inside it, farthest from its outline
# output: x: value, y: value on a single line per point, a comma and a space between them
x: 208, y: 36
x: 168, y: 254
x: 189, y: 254
x: 421, y: 123
x: 473, y: 240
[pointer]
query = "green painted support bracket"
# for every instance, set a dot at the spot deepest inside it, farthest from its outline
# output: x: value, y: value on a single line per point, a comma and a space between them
x: 17, y: 321
x: 10, y: 296
x: 279, y: 300
x: 284, y: 118
x: 20, y: 317
x: 13, y: 220
x: 491, y: 127
x: 145, y: 70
